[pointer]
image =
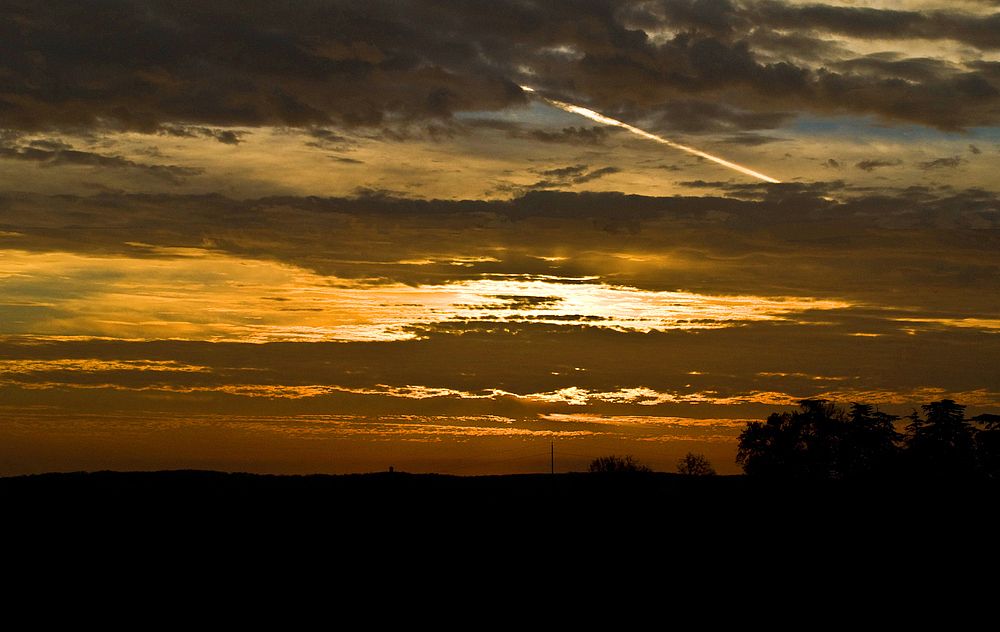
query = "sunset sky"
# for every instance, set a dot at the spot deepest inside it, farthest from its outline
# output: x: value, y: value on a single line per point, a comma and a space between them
x: 337, y: 236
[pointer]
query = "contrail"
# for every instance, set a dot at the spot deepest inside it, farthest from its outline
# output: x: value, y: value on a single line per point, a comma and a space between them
x: 635, y: 130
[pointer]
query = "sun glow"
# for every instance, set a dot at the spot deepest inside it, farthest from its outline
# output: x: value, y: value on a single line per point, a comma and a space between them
x: 224, y: 298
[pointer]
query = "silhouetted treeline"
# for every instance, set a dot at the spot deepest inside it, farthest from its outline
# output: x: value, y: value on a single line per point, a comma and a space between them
x: 822, y: 441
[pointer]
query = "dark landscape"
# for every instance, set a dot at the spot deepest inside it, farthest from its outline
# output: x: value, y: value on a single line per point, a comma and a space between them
x: 399, y: 510
x: 820, y: 467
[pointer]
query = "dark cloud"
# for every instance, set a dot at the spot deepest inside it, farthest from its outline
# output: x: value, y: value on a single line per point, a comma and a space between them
x: 565, y: 172
x: 743, y: 205
x: 942, y: 163
x: 871, y: 165
x: 328, y: 140
x: 863, y: 22
x: 697, y: 117
x: 751, y: 140
x: 769, y: 237
x: 516, y: 302
x: 571, y: 135
x: 49, y: 145
x: 563, y: 177
x: 328, y: 136
x: 887, y: 66
x: 61, y: 156
x: 776, y: 46
x: 717, y: 48
x: 174, y: 66
x: 227, y: 137
x: 595, y: 174
x: 239, y: 63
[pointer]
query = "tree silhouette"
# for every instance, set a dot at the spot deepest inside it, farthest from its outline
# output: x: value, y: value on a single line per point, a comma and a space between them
x: 821, y: 441
x: 617, y: 465
x: 798, y: 445
x: 988, y: 445
x: 869, y: 443
x: 943, y: 445
x: 695, y: 465
x: 766, y: 450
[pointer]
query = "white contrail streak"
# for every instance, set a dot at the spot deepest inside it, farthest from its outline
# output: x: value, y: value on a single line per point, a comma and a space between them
x: 575, y: 109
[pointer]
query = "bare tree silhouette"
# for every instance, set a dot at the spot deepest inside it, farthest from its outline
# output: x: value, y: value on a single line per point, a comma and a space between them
x: 617, y: 464
x: 695, y: 465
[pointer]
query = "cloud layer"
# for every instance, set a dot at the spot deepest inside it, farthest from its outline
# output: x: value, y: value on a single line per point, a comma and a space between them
x: 693, y: 64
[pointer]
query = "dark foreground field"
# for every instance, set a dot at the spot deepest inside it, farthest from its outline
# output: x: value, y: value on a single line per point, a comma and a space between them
x: 397, y: 529
x: 408, y: 501
x: 378, y: 500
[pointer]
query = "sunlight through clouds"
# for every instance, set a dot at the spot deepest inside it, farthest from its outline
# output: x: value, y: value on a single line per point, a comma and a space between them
x: 316, y: 236
x: 210, y: 296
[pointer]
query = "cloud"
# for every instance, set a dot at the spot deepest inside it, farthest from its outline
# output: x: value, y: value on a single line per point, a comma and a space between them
x: 712, y: 50
x: 563, y: 177
x: 290, y: 217
x: 595, y: 174
x: 728, y: 18
x: 871, y: 165
x: 751, y: 140
x: 49, y: 145
x: 565, y: 172
x: 59, y: 154
x: 328, y: 140
x: 571, y: 135
x: 293, y: 260
x: 942, y: 163
x: 170, y: 67
x: 794, y: 239
x: 693, y: 116
x: 546, y: 368
x: 226, y: 137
